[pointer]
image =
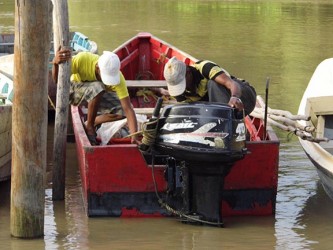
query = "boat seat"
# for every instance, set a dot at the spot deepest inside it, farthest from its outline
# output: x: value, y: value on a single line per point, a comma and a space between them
x: 144, y: 92
x: 144, y: 111
x: 146, y: 83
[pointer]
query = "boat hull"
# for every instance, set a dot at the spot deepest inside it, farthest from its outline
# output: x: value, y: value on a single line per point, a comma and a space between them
x: 315, y: 103
x: 6, y: 139
x: 323, y: 162
x: 119, y: 180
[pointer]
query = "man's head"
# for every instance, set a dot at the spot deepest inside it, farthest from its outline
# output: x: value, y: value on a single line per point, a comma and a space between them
x: 109, y: 68
x: 174, y: 74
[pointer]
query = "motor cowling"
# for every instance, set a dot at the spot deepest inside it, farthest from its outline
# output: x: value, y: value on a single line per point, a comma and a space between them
x: 201, y: 132
x: 201, y: 142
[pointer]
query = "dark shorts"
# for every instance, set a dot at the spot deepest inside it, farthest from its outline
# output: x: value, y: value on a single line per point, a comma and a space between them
x: 219, y: 93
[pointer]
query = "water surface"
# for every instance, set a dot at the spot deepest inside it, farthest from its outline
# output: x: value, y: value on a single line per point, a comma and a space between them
x: 282, y: 40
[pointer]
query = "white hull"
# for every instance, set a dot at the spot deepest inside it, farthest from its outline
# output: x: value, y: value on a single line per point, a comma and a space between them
x: 317, y: 102
x: 6, y: 141
x: 6, y: 88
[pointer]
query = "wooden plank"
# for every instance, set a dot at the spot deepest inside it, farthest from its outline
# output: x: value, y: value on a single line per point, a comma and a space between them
x: 146, y: 83
x: 320, y: 127
x: 61, y: 37
x: 5, y: 118
x: 144, y: 111
x: 319, y: 105
x: 5, y: 158
x: 6, y: 143
x: 129, y: 58
x: 6, y: 44
x: 149, y: 111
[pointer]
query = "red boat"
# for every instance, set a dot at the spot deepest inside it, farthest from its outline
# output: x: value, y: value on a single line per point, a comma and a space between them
x: 119, y: 180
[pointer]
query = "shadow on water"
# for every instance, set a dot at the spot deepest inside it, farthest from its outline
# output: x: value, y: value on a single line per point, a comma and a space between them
x: 316, y: 217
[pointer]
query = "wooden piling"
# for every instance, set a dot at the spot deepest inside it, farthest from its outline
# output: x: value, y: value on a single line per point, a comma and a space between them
x: 29, y: 118
x: 61, y: 38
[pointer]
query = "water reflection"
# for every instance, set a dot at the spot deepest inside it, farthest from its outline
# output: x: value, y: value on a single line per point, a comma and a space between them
x: 66, y: 224
x: 316, y: 213
x: 282, y: 39
x: 297, y: 183
x: 7, y: 16
x: 51, y: 231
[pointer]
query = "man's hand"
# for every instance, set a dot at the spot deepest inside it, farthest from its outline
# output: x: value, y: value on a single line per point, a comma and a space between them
x: 236, y: 102
x: 134, y: 140
x: 62, y: 55
x: 164, y: 92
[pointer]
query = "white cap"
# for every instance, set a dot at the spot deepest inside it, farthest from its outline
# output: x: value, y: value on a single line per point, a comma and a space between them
x: 109, y: 66
x: 174, y: 74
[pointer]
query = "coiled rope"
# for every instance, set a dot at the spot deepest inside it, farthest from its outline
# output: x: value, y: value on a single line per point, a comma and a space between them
x: 149, y: 131
x: 145, y: 93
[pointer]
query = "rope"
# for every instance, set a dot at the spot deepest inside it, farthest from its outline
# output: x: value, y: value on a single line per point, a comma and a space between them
x: 146, y: 93
x: 286, y: 121
x: 51, y: 102
x: 149, y: 131
x: 149, y: 134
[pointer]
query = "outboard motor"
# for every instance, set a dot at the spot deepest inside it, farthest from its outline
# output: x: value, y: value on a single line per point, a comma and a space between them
x: 203, y: 140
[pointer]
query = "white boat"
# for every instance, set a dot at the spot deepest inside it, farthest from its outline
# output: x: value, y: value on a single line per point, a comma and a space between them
x: 79, y: 43
x: 6, y: 94
x: 317, y: 103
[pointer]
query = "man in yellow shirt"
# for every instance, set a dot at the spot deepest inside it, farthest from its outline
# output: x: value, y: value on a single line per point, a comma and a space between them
x: 92, y: 76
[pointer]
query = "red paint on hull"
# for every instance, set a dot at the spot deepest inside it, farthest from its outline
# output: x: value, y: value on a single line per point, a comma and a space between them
x: 112, y: 170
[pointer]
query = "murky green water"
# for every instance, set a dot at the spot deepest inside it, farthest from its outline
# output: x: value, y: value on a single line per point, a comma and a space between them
x: 282, y: 40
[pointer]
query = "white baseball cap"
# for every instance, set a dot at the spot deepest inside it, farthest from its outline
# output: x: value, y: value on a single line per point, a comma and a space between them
x: 109, y: 66
x: 174, y: 74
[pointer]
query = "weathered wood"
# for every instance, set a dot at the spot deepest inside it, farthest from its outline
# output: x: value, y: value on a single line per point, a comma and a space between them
x: 61, y: 38
x: 283, y: 113
x: 29, y: 118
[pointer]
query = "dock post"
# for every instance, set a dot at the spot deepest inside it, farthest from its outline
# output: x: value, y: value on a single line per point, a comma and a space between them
x: 29, y: 118
x: 61, y: 38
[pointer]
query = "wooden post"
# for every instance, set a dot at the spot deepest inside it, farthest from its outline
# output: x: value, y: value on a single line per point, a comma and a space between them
x: 61, y: 37
x: 29, y: 118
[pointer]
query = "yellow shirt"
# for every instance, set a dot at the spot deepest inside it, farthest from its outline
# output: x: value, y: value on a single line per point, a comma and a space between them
x: 83, y: 70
